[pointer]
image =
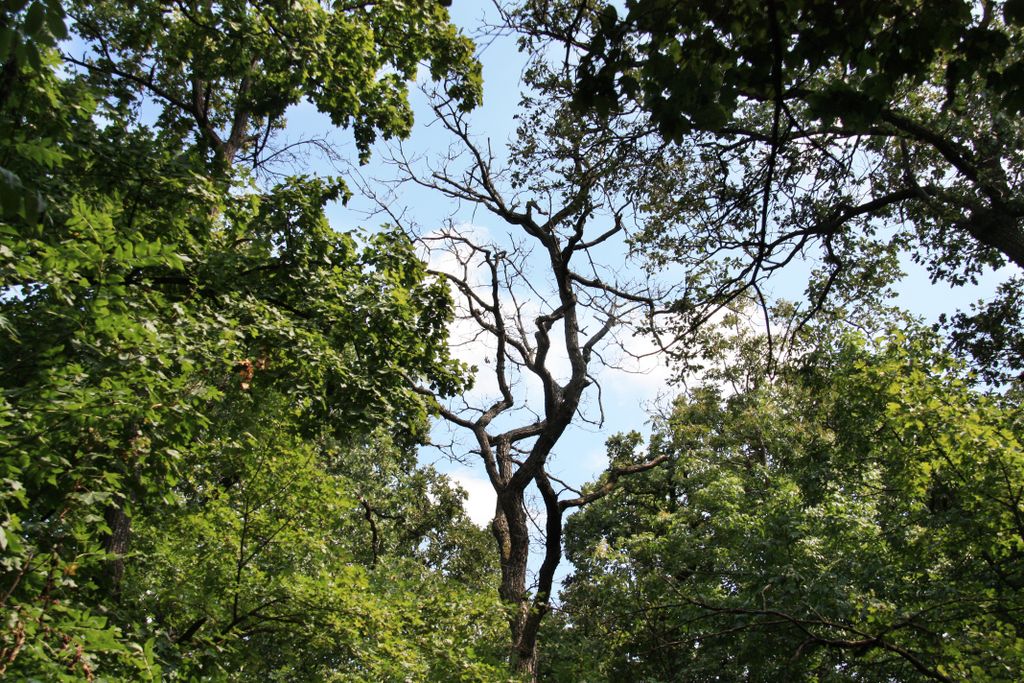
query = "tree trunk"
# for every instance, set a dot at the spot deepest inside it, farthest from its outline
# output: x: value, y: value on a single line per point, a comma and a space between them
x: 999, y: 230
x: 511, y: 531
x: 116, y: 543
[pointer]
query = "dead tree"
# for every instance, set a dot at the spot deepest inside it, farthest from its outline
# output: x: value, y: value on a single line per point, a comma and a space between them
x: 540, y: 299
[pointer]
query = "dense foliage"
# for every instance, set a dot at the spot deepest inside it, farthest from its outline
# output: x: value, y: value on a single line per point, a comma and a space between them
x: 851, y: 133
x: 212, y: 400
x: 208, y: 436
x: 856, y: 517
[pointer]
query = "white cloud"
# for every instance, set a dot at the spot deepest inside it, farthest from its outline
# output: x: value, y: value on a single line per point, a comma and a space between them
x: 480, y: 504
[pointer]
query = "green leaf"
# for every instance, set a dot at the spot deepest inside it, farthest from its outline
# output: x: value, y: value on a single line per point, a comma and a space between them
x: 34, y: 19
x: 55, y: 22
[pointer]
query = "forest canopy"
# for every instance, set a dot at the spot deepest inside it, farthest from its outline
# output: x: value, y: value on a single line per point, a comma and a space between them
x: 214, y: 400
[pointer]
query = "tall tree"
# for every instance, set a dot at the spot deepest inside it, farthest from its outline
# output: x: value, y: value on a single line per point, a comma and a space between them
x: 855, y: 516
x: 846, y: 132
x: 550, y: 310
x: 149, y: 291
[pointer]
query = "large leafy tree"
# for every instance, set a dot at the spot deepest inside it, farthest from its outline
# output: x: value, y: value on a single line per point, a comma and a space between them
x: 297, y: 556
x: 222, y: 75
x: 183, y: 351
x: 846, y: 132
x: 853, y: 517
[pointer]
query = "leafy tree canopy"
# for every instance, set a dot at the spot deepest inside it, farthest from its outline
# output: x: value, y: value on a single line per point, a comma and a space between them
x: 191, y: 365
x: 848, y: 133
x: 225, y: 73
x: 855, y: 517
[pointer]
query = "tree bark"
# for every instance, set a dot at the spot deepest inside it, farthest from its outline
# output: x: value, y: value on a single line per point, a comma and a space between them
x: 999, y: 230
x: 116, y: 544
x: 511, y: 531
